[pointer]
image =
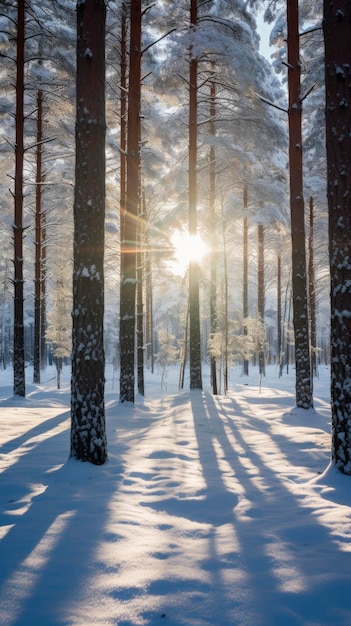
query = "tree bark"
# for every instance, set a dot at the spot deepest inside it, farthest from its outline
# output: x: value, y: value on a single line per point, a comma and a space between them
x: 194, y: 303
x: 245, y: 276
x: 19, y: 387
x: 312, y: 291
x: 260, y: 300
x: 38, y: 242
x: 337, y: 32
x: 129, y: 242
x: 213, y: 235
x: 88, y: 432
x: 304, y: 397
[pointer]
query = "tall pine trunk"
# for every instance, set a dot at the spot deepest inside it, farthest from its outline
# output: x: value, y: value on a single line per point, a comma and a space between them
x: 88, y: 432
x: 38, y: 242
x: 245, y: 276
x: 312, y: 291
x: 213, y: 235
x: 260, y: 300
x: 297, y: 215
x: 19, y: 387
x: 140, y: 300
x: 194, y: 299
x: 337, y: 32
x: 129, y: 241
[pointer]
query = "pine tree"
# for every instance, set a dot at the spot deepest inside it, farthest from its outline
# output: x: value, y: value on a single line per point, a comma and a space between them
x: 337, y: 32
x: 88, y: 434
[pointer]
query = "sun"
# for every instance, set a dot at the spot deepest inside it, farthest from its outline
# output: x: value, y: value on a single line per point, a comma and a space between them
x: 187, y: 248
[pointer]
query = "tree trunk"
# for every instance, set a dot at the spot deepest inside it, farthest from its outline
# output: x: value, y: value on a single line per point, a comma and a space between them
x: 194, y: 303
x: 337, y: 31
x: 245, y: 277
x: 123, y: 128
x: 18, y: 343
x: 38, y: 242
x: 213, y: 235
x: 88, y: 433
x: 279, y: 313
x: 149, y: 333
x: 129, y: 242
x: 304, y: 397
x: 225, y: 290
x: 312, y: 291
x: 260, y: 300
x: 140, y: 303
x: 43, y: 264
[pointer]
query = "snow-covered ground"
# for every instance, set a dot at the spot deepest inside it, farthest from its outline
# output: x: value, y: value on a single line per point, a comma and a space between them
x: 209, y: 512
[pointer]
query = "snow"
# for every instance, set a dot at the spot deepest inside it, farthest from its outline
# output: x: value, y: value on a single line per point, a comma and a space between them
x: 211, y: 511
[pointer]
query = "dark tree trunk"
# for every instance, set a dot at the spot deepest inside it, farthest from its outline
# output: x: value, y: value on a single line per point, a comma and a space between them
x: 140, y: 302
x: 149, y: 333
x: 226, y: 332
x: 129, y: 242
x: 194, y: 300
x: 304, y: 397
x: 337, y: 32
x: 38, y: 242
x: 43, y: 264
x: 19, y: 387
x: 213, y: 235
x: 245, y: 276
x: 88, y: 433
x: 279, y: 312
x: 123, y: 127
x: 312, y: 291
x: 260, y: 300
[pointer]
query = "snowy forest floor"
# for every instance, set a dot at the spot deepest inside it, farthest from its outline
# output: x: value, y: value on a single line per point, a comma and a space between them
x: 211, y: 511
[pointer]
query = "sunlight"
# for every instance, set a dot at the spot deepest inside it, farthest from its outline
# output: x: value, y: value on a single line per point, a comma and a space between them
x: 186, y: 248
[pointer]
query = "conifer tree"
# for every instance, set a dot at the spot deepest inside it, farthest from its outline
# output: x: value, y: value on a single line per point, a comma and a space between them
x: 337, y: 32
x: 88, y: 434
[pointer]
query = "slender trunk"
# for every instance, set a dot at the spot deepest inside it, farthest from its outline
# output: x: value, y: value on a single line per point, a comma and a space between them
x: 129, y: 242
x: 38, y: 242
x: 279, y: 311
x: 213, y: 235
x: 18, y: 343
x: 88, y: 432
x: 43, y: 266
x: 336, y: 25
x: 260, y: 300
x: 225, y: 290
x: 245, y: 276
x: 149, y: 333
x: 304, y: 397
x: 194, y: 303
x: 123, y: 126
x: 312, y: 291
x: 140, y: 303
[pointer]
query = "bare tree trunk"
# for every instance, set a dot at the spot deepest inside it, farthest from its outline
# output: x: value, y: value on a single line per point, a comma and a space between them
x: 18, y: 344
x: 43, y: 264
x: 312, y: 291
x: 336, y: 25
x: 245, y: 276
x: 225, y: 290
x: 149, y: 333
x: 213, y: 235
x: 194, y: 304
x: 260, y: 300
x: 304, y: 397
x: 123, y: 127
x: 129, y: 242
x: 279, y: 312
x: 88, y: 432
x: 140, y: 303
x: 38, y: 242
